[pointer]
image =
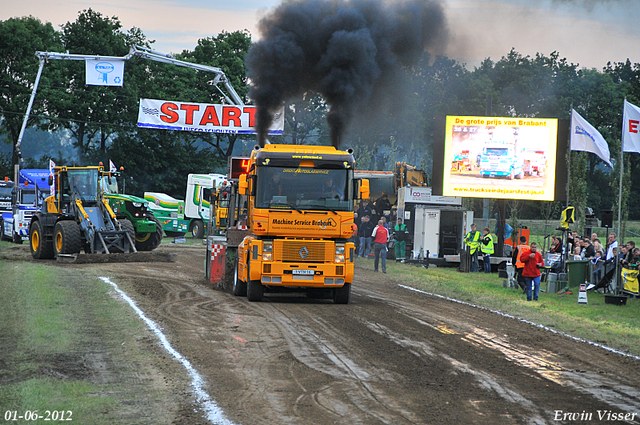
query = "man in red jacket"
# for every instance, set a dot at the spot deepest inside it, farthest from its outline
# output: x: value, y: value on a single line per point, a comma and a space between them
x: 533, y: 261
x: 381, y: 236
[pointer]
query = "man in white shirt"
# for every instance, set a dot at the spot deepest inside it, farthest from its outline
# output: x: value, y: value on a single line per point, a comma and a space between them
x: 612, y: 243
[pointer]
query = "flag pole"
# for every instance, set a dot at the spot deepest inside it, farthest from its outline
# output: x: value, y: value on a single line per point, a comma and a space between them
x: 569, y: 155
x: 620, y: 205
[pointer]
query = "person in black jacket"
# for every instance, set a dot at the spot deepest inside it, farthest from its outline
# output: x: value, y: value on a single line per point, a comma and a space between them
x: 589, y: 250
x: 365, y: 209
x: 364, y: 233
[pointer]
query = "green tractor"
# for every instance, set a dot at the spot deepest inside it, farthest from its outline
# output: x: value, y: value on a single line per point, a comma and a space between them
x: 148, y: 230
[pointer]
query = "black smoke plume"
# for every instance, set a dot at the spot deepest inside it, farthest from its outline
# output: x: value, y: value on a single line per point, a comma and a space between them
x: 342, y: 49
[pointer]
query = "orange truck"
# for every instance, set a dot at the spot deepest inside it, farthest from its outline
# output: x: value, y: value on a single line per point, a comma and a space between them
x: 300, y: 205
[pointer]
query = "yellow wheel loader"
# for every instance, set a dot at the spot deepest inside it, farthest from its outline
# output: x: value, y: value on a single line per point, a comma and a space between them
x: 77, y: 217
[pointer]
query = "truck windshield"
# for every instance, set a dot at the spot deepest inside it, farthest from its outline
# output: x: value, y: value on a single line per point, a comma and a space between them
x: 28, y: 196
x: 303, y: 188
x: 5, y: 193
x: 84, y: 184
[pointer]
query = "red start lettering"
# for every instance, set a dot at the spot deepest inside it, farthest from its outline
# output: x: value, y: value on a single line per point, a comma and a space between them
x: 231, y: 113
x: 190, y: 109
x: 633, y: 126
x: 169, y: 111
x: 210, y: 116
x: 251, y: 111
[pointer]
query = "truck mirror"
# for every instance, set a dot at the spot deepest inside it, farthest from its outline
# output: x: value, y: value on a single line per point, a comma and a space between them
x: 243, y: 185
x: 364, y: 189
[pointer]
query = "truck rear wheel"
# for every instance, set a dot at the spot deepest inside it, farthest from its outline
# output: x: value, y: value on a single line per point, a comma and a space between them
x: 255, y: 290
x: 40, y: 250
x: 66, y: 238
x: 149, y: 241
x: 197, y: 229
x: 342, y: 295
x: 239, y: 287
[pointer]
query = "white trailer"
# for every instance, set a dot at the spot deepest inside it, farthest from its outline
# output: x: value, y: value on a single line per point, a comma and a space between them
x: 437, y: 223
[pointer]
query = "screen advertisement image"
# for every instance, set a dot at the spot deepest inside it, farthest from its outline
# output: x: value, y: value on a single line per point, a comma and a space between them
x: 502, y: 158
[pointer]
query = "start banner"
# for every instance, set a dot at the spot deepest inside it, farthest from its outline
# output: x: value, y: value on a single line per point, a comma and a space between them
x: 203, y: 117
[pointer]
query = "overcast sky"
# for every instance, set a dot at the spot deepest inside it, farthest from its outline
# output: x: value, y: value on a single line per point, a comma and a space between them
x: 586, y: 32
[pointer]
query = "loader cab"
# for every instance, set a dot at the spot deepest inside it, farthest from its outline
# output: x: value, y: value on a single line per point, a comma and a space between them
x: 83, y: 184
x: 76, y: 183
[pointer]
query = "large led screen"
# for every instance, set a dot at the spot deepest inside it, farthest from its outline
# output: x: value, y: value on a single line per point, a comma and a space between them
x: 495, y: 157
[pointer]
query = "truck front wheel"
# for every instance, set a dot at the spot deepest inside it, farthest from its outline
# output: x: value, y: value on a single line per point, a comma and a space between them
x: 197, y: 229
x: 342, y: 295
x: 255, y: 290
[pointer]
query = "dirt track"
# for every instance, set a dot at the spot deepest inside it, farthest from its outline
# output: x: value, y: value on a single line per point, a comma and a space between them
x: 392, y: 356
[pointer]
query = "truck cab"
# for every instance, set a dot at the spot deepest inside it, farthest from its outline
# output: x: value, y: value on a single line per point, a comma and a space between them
x: 201, y: 188
x: 300, y: 214
x: 501, y: 159
x: 192, y: 214
x: 6, y: 187
x: 26, y: 199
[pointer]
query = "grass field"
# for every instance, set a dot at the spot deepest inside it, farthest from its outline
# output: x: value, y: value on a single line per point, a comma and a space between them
x: 64, y: 337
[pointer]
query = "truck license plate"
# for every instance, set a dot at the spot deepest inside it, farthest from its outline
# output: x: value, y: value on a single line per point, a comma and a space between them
x: 303, y: 272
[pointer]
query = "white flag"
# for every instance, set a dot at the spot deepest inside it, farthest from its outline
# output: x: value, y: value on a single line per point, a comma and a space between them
x: 585, y: 137
x: 112, y: 167
x: 630, y: 128
x: 104, y: 72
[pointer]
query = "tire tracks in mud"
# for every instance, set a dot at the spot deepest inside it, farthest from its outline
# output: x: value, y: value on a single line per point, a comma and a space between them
x: 557, y: 367
x: 320, y: 345
x: 389, y: 357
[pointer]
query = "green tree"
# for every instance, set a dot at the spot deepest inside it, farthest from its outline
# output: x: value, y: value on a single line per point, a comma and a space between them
x: 90, y: 111
x: 305, y: 121
x: 225, y: 51
x: 160, y: 160
x: 20, y: 38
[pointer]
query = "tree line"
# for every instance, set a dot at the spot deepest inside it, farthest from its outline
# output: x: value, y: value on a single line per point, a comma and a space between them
x: 98, y: 123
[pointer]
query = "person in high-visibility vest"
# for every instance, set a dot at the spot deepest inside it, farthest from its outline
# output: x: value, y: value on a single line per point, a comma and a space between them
x: 517, y: 253
x: 400, y: 236
x: 487, y: 249
x: 472, y: 239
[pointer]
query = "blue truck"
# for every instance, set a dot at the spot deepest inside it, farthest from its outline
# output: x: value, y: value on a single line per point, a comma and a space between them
x: 26, y: 198
x: 501, y: 159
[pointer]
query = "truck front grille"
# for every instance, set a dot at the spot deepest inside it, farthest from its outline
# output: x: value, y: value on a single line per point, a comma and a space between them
x: 300, y: 250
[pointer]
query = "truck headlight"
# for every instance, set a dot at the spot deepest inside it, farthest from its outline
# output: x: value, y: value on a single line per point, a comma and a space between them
x: 339, y: 253
x: 267, y: 251
x: 137, y: 204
